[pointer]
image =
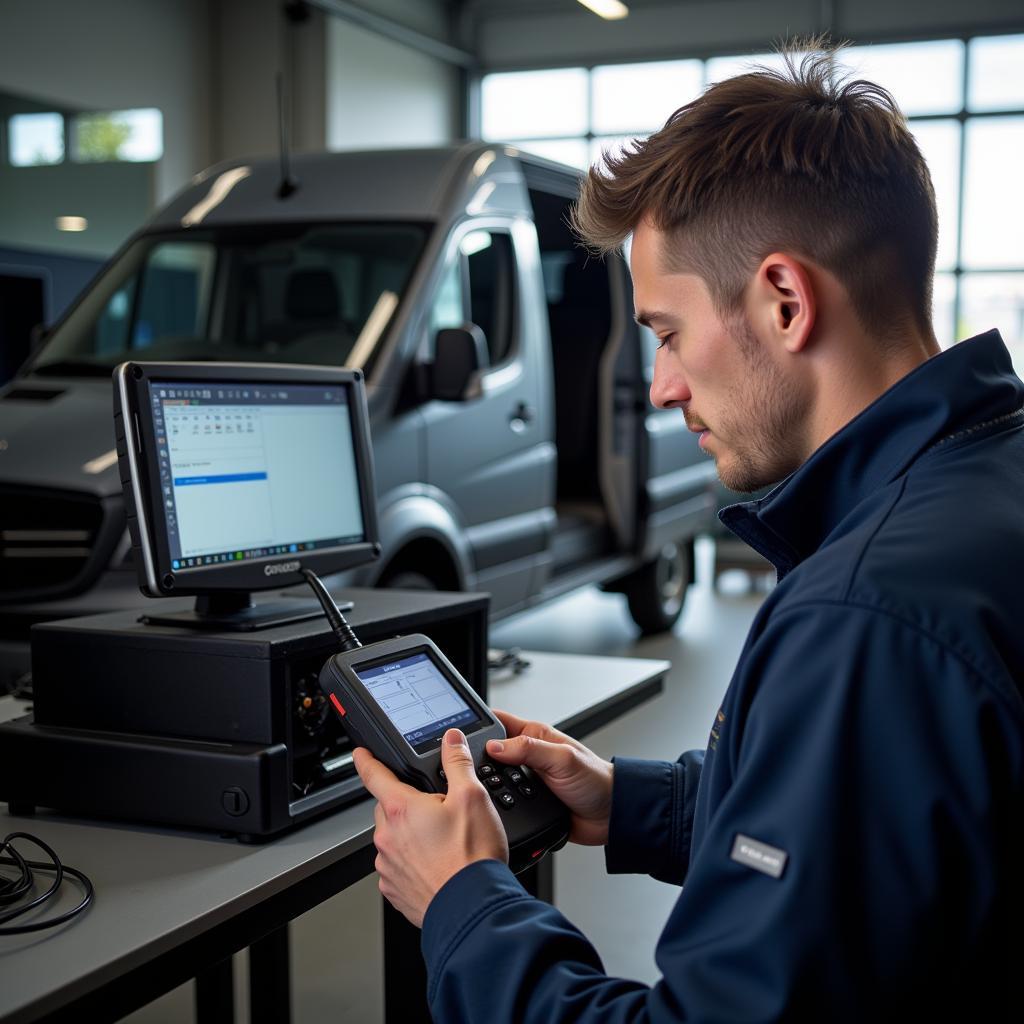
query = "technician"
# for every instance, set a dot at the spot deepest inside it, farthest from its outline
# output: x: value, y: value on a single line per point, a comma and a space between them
x: 851, y: 839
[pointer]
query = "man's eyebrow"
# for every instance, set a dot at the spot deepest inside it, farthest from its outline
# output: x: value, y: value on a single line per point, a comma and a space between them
x: 644, y: 318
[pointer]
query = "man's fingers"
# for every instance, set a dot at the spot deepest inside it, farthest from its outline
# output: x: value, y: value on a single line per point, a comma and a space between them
x: 514, y: 725
x: 456, y: 759
x: 534, y: 753
x: 377, y: 777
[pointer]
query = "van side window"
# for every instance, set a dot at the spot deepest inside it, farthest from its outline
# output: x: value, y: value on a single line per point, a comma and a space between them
x: 479, y: 286
x: 449, y: 309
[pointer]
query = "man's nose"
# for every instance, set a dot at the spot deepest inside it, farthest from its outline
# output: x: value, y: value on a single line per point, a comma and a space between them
x: 669, y: 389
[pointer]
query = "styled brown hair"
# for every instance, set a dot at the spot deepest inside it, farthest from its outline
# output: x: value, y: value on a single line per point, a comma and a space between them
x: 800, y: 160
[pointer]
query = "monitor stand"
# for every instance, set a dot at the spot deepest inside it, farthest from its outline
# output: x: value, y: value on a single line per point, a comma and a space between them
x: 233, y: 611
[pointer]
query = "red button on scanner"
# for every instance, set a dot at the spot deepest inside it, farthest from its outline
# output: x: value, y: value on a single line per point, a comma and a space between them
x: 337, y: 704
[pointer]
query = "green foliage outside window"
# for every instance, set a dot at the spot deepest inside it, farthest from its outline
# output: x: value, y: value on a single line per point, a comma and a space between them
x: 101, y: 137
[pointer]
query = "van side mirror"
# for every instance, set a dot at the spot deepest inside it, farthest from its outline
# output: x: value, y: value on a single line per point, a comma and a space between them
x: 459, y: 352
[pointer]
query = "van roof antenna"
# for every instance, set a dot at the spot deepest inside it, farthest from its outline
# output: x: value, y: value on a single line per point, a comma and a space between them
x: 288, y: 183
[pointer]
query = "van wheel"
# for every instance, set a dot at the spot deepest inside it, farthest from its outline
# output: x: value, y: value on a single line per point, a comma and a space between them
x: 657, y: 591
x: 407, y: 579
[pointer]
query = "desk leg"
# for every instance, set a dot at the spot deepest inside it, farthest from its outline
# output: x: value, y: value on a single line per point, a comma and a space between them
x: 405, y: 974
x: 270, y: 996
x: 215, y: 995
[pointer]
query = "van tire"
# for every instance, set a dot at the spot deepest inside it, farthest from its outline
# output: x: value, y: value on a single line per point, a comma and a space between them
x: 408, y: 579
x: 656, y: 592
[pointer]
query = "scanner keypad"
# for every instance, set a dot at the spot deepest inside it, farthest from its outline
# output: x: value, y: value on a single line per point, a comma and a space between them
x: 504, y: 784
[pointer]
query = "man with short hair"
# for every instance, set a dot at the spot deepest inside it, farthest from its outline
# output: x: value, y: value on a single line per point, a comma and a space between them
x: 849, y: 839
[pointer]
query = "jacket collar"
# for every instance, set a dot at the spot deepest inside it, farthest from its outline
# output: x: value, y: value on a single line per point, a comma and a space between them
x: 966, y: 386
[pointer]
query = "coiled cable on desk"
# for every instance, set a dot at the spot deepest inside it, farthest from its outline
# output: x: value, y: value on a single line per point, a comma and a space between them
x: 18, y: 887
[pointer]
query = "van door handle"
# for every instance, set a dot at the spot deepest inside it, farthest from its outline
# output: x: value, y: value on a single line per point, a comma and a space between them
x: 521, y: 417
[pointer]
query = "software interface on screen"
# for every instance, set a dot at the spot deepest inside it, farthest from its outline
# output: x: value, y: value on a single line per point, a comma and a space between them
x: 248, y: 472
x: 417, y: 698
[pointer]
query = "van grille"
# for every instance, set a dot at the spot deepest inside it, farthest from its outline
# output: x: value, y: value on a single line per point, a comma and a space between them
x: 49, y: 543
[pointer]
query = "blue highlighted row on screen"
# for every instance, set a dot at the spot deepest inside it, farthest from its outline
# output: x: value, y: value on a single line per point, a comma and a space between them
x: 223, y: 478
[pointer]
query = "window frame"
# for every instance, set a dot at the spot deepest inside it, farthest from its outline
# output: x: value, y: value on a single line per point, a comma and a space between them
x: 452, y: 251
x: 964, y: 115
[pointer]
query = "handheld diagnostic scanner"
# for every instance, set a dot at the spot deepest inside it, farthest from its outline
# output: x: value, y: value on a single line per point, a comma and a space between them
x: 398, y: 697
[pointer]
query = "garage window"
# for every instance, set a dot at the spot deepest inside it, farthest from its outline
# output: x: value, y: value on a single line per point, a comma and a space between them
x: 35, y: 140
x: 964, y: 99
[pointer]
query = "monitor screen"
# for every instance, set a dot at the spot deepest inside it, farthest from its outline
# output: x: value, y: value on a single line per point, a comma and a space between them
x: 253, y: 470
x: 420, y: 702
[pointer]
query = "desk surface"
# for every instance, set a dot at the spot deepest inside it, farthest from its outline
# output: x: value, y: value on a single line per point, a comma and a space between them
x: 158, y: 888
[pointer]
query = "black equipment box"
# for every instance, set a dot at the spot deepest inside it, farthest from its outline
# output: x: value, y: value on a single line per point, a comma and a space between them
x: 226, y: 731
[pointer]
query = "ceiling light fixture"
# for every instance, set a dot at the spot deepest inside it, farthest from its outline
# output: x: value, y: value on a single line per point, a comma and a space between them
x: 72, y: 223
x: 611, y: 10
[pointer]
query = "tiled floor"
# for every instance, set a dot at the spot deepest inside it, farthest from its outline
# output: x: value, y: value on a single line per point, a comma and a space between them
x: 336, y: 947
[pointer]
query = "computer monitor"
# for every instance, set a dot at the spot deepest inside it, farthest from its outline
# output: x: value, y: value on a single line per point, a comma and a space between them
x: 237, y: 477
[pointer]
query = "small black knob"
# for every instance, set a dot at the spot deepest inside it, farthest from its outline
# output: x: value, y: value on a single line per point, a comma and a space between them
x: 235, y: 801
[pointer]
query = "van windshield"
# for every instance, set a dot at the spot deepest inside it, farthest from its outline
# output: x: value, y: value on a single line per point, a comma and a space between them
x: 320, y: 294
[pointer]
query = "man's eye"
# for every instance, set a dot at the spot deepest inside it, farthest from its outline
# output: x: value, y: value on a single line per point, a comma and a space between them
x: 664, y: 340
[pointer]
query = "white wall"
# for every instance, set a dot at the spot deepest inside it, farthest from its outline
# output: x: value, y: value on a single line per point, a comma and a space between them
x: 113, y: 54
x: 253, y: 42
x: 380, y: 93
x: 210, y: 66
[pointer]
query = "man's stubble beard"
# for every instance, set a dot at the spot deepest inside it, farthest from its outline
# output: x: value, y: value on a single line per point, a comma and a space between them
x: 764, y: 422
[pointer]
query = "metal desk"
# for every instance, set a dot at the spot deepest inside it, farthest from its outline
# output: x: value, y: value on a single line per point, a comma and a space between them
x: 173, y: 905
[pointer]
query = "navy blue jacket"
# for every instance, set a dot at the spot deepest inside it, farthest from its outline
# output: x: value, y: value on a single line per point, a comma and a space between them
x: 851, y: 840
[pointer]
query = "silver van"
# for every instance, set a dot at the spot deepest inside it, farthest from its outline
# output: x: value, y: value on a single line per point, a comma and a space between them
x: 516, y: 449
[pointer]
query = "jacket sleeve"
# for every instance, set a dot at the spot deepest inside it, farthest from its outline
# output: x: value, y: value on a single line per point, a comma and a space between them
x: 652, y: 816
x: 874, y: 763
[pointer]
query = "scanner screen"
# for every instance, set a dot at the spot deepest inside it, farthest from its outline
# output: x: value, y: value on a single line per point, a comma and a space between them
x: 249, y: 471
x: 419, y: 700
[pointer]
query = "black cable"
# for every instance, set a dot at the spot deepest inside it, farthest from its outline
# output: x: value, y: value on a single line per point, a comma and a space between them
x: 14, y: 889
x: 342, y: 630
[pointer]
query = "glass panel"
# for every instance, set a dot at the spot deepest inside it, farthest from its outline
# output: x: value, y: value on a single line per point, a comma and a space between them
x: 522, y: 104
x: 175, y: 295
x: 640, y: 97
x: 36, y: 139
x: 611, y: 145
x: 993, y: 212
x: 448, y: 309
x: 486, y: 264
x: 924, y: 78
x: 943, y: 300
x: 995, y: 300
x: 573, y: 152
x: 130, y: 135
x: 940, y: 145
x: 287, y: 293
x: 995, y: 78
x: 112, y: 325
x: 491, y: 290
x: 720, y: 68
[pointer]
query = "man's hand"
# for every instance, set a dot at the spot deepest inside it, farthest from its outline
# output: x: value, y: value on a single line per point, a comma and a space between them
x: 575, y: 774
x: 423, y: 839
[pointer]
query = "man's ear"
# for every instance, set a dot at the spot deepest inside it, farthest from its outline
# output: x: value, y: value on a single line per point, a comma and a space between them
x: 784, y: 300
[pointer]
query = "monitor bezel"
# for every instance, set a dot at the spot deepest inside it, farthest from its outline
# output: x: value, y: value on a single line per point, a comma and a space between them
x: 132, y: 381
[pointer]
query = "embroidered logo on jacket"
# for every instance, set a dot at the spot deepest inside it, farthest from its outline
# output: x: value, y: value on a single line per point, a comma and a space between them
x: 716, y: 731
x: 769, y: 860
